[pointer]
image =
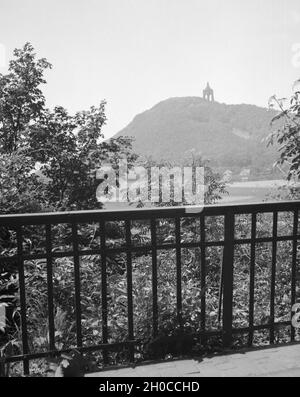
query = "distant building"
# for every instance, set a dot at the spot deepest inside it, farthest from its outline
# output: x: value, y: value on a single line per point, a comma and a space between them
x: 227, y: 176
x: 208, y: 94
x: 245, y: 173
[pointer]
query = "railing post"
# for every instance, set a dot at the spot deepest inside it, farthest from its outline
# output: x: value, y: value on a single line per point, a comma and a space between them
x: 273, y: 277
x: 154, y: 278
x: 203, y: 279
x: 77, y: 284
x: 22, y: 289
x: 178, y: 274
x: 50, y: 288
x: 129, y: 290
x: 104, y: 309
x: 294, y: 265
x: 228, y: 258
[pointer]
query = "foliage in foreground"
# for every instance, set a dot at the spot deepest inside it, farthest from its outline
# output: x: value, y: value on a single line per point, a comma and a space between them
x: 287, y: 133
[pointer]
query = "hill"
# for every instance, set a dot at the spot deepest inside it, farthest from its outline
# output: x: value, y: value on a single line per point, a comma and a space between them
x: 227, y: 135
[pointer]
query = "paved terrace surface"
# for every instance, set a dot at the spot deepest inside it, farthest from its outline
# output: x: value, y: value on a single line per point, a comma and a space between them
x: 271, y: 362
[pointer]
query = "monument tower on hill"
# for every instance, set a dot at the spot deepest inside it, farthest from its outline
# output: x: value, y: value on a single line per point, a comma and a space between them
x: 208, y: 94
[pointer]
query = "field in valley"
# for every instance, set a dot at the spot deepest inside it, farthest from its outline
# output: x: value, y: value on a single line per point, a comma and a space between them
x: 251, y: 191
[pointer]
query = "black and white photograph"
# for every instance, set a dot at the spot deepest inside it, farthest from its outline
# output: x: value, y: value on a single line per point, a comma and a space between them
x: 149, y: 191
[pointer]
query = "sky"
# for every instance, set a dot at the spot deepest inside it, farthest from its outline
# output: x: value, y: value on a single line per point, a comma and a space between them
x: 136, y: 53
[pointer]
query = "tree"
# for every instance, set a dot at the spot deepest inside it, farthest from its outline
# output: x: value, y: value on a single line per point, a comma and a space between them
x: 20, y: 189
x: 287, y: 133
x: 21, y: 99
x: 214, y: 186
x: 67, y: 147
x: 69, y: 150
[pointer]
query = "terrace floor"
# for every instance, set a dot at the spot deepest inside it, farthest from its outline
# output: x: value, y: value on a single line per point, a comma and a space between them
x: 271, y: 362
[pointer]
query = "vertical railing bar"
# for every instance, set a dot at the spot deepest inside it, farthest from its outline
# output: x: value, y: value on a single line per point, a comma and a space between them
x: 178, y: 273
x: 129, y: 289
x: 294, y: 267
x: 104, y: 311
x: 273, y: 276
x: 22, y: 300
x: 154, y: 278
x: 221, y: 291
x: 77, y: 285
x: 228, y: 255
x: 50, y: 288
x: 252, y: 278
x: 203, y: 277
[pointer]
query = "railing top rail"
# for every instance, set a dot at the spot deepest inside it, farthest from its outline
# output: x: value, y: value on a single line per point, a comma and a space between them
x: 144, y: 213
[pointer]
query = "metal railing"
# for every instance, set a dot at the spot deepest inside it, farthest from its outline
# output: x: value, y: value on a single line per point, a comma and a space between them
x: 228, y: 242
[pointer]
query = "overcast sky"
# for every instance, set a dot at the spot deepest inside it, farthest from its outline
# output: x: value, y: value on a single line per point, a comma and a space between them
x: 135, y: 53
